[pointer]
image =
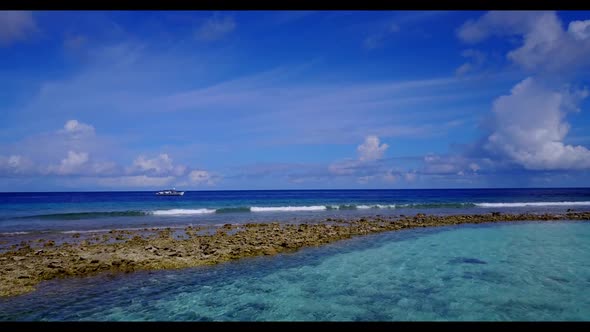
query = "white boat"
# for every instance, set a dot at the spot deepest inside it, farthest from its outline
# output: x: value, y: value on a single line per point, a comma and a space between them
x: 170, y: 192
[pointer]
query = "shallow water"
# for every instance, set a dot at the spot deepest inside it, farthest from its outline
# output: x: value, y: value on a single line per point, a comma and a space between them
x: 516, y: 271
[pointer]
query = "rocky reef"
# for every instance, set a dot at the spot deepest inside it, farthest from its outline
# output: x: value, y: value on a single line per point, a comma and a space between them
x: 27, y: 264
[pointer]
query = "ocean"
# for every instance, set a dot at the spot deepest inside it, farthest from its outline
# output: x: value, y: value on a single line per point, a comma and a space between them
x: 523, y: 271
x: 89, y: 211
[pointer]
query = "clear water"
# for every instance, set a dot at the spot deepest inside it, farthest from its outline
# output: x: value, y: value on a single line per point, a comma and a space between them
x: 34, y: 212
x: 522, y: 271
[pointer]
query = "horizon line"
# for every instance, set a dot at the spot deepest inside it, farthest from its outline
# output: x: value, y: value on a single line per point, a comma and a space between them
x: 215, y: 190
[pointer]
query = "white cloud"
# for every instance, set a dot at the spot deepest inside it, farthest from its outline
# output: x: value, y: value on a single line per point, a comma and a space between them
x: 14, y: 164
x: 477, y: 58
x: 78, y: 129
x: 161, y: 165
x: 71, y: 164
x: 546, y: 46
x: 370, y: 149
x: 80, y: 163
x: 15, y: 25
x: 530, y: 127
x: 580, y: 30
x: 14, y: 161
x: 215, y: 28
x: 201, y: 177
x: 498, y: 23
x: 144, y: 172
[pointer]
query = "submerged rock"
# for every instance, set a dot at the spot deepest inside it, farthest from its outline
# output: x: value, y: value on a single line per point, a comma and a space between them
x: 466, y: 260
x: 161, y: 250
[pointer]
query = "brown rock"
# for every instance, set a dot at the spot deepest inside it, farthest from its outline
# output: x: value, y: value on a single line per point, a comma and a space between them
x: 270, y: 251
x: 54, y: 265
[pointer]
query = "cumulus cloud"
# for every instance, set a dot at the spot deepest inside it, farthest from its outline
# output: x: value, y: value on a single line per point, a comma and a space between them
x: 529, y: 128
x: 215, y: 28
x: 371, y: 149
x: 161, y: 165
x: 15, y: 26
x: 367, y: 166
x: 78, y: 129
x: 580, y: 30
x: 71, y: 164
x: 545, y: 44
x: 14, y: 165
x: 81, y: 161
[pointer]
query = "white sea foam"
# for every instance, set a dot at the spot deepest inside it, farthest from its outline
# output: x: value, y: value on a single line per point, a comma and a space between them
x: 522, y: 204
x: 182, y: 212
x: 14, y: 233
x: 287, y: 208
x: 389, y: 206
x: 376, y: 206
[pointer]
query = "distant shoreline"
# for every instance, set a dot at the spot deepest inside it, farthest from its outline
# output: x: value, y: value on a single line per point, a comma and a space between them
x: 24, y: 266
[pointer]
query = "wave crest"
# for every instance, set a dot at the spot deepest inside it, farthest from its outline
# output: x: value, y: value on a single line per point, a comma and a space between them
x: 287, y: 208
x: 181, y: 212
x: 522, y: 204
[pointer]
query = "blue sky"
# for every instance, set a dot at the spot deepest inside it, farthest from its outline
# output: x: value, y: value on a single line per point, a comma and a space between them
x: 199, y: 100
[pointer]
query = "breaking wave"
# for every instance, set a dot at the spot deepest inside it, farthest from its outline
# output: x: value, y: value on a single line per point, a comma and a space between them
x: 288, y: 208
x: 311, y: 208
x: 181, y: 212
x: 523, y: 204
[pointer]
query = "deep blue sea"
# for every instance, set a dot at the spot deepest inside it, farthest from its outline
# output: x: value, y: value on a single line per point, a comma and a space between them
x: 86, y: 211
x: 525, y: 271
